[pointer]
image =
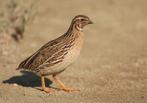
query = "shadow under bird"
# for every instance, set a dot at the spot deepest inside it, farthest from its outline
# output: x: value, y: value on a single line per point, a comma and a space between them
x: 56, y: 55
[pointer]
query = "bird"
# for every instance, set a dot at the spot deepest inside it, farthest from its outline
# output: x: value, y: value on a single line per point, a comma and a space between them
x: 56, y: 55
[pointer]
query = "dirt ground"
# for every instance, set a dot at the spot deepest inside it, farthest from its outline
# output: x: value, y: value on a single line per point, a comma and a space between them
x: 112, y: 67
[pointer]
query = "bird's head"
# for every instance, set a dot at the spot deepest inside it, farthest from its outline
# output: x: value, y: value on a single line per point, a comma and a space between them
x: 80, y: 21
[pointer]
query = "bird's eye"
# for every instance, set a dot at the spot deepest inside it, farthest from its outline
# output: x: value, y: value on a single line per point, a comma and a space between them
x: 82, y: 20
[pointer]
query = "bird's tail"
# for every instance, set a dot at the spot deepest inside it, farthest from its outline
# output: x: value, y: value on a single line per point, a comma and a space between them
x: 18, y: 68
x: 21, y: 65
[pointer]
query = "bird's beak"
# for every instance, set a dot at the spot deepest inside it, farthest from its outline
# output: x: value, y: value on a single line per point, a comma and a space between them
x: 90, y: 22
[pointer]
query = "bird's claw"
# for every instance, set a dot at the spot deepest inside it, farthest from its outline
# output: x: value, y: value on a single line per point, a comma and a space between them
x: 48, y: 90
x: 70, y: 89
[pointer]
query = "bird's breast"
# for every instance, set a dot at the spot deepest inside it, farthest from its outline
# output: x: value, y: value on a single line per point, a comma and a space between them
x: 76, y: 48
x: 70, y: 57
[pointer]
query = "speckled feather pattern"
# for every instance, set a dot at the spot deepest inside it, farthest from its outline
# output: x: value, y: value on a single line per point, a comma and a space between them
x: 56, y: 55
x: 52, y: 53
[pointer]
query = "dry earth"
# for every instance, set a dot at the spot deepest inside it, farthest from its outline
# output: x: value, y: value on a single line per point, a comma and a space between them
x: 112, y: 67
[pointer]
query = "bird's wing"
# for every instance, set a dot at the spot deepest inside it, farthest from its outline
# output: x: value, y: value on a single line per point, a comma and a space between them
x: 51, y: 53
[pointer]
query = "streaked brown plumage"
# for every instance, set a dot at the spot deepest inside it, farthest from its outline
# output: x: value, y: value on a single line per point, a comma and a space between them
x: 56, y: 55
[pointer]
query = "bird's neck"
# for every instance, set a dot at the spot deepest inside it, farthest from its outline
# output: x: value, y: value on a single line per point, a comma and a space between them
x: 73, y: 30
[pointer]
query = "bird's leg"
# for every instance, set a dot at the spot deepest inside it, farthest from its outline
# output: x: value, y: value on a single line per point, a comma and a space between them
x: 62, y: 86
x: 44, y: 88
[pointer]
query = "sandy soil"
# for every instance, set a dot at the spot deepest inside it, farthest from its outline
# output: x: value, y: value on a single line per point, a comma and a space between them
x: 112, y: 67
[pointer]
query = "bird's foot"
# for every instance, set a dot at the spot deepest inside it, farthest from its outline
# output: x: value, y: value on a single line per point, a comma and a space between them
x: 70, y: 89
x: 48, y: 90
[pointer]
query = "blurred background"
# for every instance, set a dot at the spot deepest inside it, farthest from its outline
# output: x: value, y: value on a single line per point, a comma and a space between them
x: 113, y: 61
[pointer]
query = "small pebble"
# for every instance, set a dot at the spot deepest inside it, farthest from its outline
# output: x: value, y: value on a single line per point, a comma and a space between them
x: 15, y: 84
